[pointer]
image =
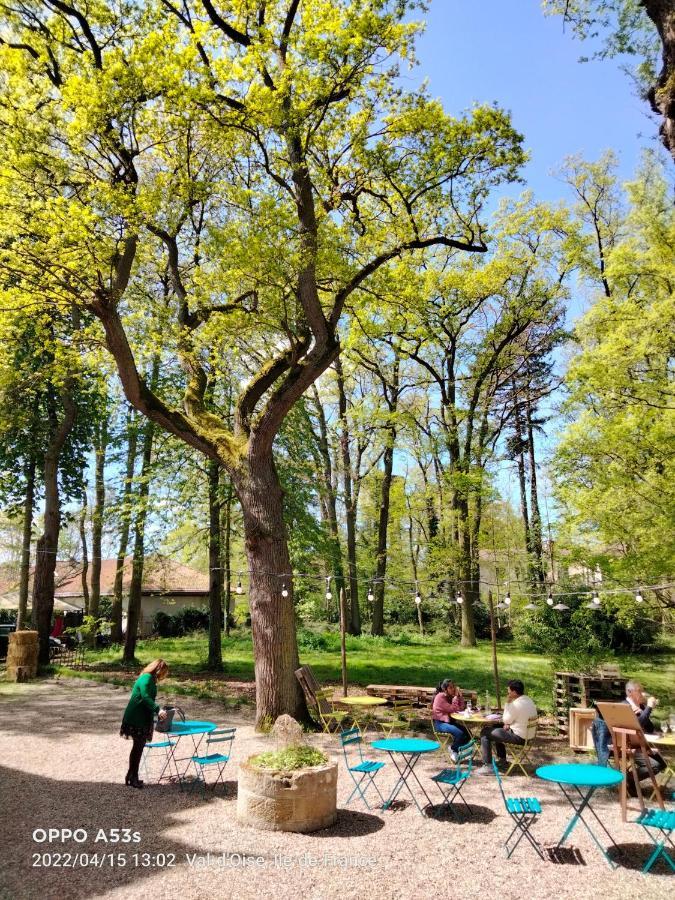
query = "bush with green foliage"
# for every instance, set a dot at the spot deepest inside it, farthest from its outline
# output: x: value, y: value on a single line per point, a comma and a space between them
x: 185, y: 621
x: 8, y: 616
x: 614, y: 627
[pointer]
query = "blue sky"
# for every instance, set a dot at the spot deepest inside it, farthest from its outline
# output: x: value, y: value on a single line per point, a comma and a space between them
x: 507, y: 51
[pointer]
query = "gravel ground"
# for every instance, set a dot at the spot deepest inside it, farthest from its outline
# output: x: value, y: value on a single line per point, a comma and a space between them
x: 62, y: 766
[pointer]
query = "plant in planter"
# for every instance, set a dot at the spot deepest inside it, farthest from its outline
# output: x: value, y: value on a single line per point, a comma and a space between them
x: 293, y: 788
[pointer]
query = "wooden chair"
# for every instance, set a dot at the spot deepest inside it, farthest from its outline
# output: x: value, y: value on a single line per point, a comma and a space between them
x: 628, y: 741
x: 521, y: 753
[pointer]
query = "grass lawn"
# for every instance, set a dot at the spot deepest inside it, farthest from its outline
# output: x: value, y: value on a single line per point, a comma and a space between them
x: 423, y: 661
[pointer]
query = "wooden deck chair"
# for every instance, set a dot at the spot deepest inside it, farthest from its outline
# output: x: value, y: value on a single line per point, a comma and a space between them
x: 520, y: 754
x: 628, y: 740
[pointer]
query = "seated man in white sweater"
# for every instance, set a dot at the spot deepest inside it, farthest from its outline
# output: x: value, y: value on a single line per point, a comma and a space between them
x: 518, y: 710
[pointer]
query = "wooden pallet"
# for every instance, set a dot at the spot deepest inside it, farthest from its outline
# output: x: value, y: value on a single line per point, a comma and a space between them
x: 573, y: 690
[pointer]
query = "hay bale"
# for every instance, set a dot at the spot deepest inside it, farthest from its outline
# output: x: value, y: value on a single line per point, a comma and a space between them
x: 24, y: 637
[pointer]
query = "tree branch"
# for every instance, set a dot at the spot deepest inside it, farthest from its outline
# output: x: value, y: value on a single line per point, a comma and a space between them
x: 374, y: 265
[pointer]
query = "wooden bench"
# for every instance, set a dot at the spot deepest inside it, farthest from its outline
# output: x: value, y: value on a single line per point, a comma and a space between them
x: 419, y: 694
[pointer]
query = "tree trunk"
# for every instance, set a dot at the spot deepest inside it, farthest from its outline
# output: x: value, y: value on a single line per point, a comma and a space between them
x: 97, y: 518
x: 47, y: 545
x: 136, y: 585
x: 354, y: 623
x: 82, y: 525
x: 662, y: 95
x: 466, y: 568
x: 215, y: 660
x: 537, y: 544
x: 226, y: 555
x: 116, y: 613
x: 327, y: 489
x: 272, y: 616
x: 382, y: 529
x: 27, y: 532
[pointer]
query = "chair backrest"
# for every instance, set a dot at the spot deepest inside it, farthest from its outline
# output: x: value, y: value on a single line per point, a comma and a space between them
x: 402, y: 708
x: 465, y: 758
x: 307, y: 679
x: 531, y: 728
x: 499, y: 781
x: 323, y: 701
x: 222, y: 733
x: 349, y: 738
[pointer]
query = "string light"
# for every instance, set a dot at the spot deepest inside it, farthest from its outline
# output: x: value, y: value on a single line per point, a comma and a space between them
x: 460, y: 599
x: 239, y: 589
x: 371, y: 595
x: 638, y: 597
x: 418, y: 599
x: 507, y: 599
x: 284, y: 590
x: 329, y: 595
x: 549, y: 599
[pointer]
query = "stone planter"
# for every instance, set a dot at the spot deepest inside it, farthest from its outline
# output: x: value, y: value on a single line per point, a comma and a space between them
x: 301, y: 801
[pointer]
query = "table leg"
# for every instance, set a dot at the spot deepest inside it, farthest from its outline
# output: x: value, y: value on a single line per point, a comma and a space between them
x: 196, y: 742
x: 410, y: 761
x: 578, y: 816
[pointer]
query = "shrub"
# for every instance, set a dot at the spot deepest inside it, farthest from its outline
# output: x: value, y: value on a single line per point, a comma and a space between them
x: 181, y: 623
x: 289, y: 760
x: 311, y: 640
x: 164, y: 625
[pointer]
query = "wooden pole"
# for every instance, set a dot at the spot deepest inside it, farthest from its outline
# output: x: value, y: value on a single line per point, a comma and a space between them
x: 343, y: 647
x: 493, y: 637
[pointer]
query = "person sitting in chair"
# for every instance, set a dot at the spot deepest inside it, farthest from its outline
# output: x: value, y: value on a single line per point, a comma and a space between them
x: 518, y: 710
x: 448, y: 700
x: 642, y: 706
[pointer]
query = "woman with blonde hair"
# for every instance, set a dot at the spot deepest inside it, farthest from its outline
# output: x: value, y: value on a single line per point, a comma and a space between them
x: 137, y: 722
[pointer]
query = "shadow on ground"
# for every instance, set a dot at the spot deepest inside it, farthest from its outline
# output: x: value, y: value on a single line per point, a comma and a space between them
x: 29, y: 802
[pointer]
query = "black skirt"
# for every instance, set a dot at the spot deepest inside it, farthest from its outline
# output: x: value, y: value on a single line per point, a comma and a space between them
x: 136, y: 731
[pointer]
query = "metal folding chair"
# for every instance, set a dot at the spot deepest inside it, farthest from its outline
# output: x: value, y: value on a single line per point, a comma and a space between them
x: 331, y: 719
x: 662, y: 823
x: 524, y: 811
x: 399, y: 718
x: 167, y: 746
x: 364, y: 772
x: 443, y: 737
x: 451, y: 780
x: 520, y: 754
x: 224, y: 735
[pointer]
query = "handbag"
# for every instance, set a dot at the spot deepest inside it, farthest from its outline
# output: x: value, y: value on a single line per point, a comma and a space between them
x: 165, y: 724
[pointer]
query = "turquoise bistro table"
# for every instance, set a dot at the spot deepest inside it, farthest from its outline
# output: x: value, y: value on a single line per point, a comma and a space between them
x: 194, y: 729
x: 578, y: 783
x: 409, y: 751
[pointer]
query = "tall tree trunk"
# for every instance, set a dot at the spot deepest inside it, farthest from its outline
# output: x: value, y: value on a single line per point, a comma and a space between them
x: 226, y: 531
x: 84, y: 575
x: 272, y: 616
x: 377, y: 627
x: 522, y: 483
x: 136, y: 585
x: 97, y: 518
x: 215, y: 660
x: 125, y: 524
x: 47, y: 545
x: 354, y: 623
x: 329, y: 494
x: 469, y: 588
x: 537, y: 544
x: 27, y: 532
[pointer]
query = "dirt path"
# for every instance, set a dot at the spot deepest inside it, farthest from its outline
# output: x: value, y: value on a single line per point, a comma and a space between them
x: 62, y: 766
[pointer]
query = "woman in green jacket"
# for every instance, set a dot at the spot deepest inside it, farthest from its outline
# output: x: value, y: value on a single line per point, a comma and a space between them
x: 138, y: 719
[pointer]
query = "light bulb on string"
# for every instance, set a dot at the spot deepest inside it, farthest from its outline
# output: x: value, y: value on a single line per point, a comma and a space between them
x: 239, y: 589
x: 371, y: 595
x: 460, y: 599
x: 549, y: 599
x: 507, y: 599
x: 638, y: 596
x: 595, y: 598
x: 329, y: 595
x: 284, y: 590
